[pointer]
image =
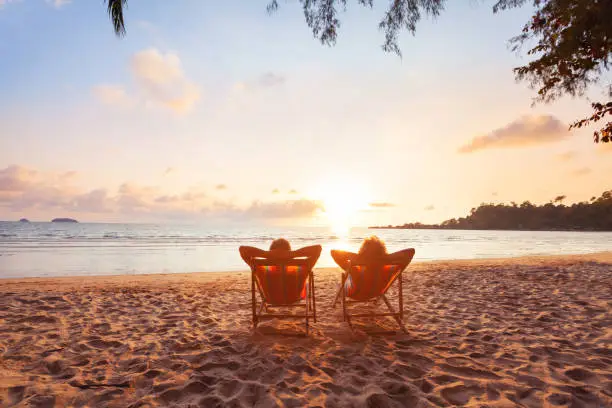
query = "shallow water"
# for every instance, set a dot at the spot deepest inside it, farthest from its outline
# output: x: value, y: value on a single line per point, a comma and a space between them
x: 54, y: 249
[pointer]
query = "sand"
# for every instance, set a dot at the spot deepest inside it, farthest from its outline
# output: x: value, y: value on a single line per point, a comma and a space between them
x: 534, y: 332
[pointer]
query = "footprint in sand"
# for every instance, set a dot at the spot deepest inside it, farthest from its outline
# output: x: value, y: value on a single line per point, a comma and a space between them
x: 253, y: 394
x: 15, y: 394
x: 272, y: 376
x: 579, y: 374
x: 165, y: 386
x: 444, y: 379
x: 152, y: 373
x: 531, y: 381
x: 405, y: 393
x: 409, y: 370
x: 469, y: 372
x: 559, y: 399
x: 381, y: 401
x: 42, y: 401
x: 214, y: 402
x: 461, y: 394
x: 102, y: 344
x: 38, y: 319
x: 196, y: 387
x: 232, y: 366
x: 229, y: 388
x: 415, y: 359
x: 170, y: 396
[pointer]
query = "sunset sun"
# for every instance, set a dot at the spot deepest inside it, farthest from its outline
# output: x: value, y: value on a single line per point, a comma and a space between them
x: 342, y: 201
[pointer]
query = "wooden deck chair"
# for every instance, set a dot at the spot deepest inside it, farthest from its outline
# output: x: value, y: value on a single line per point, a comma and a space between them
x: 283, y: 280
x: 365, y: 282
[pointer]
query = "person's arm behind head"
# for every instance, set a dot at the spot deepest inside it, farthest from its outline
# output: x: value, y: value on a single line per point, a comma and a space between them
x: 402, y: 258
x: 343, y: 258
x: 247, y: 253
x: 312, y: 253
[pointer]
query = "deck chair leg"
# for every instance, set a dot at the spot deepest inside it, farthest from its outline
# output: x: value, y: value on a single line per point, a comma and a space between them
x: 350, y: 324
x: 314, y: 303
x: 260, y: 290
x: 400, y: 296
x: 253, y: 300
x: 396, y: 315
x: 308, y: 297
x: 344, y: 315
x: 343, y: 280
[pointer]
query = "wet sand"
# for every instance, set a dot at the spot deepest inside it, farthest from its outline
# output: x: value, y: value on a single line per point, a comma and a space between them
x: 529, y: 332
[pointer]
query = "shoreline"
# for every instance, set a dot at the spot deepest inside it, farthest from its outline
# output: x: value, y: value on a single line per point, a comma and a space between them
x: 601, y: 256
x: 530, y: 331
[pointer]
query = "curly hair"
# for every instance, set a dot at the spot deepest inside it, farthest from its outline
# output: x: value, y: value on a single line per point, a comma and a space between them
x: 372, y: 248
x: 280, y: 243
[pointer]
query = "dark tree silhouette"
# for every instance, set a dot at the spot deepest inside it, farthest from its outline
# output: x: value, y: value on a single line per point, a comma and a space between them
x: 595, y: 215
x: 573, y: 41
x: 573, y: 48
x: 115, y: 12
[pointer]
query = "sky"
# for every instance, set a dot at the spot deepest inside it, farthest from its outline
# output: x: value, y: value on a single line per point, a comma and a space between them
x: 216, y: 112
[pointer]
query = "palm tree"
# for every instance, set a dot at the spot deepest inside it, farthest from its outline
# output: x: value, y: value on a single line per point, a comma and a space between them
x: 559, y: 199
x: 115, y: 12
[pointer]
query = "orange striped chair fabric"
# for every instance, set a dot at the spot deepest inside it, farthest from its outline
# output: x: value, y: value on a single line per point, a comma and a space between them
x: 368, y: 282
x: 282, y: 284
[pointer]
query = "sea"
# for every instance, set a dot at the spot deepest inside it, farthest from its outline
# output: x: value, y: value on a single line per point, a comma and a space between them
x: 75, y: 249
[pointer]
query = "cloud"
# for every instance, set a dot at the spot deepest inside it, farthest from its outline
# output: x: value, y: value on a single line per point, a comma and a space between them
x: 114, y: 95
x: 16, y: 178
x: 96, y: 201
x: 221, y: 187
x: 154, y: 67
x: 494, y: 194
x: 22, y: 188
x: 275, y: 191
x: 58, y: 3
x: 567, y: 156
x: 381, y: 205
x: 286, y: 209
x: 270, y: 79
x: 526, y: 131
x: 133, y: 197
x: 32, y: 193
x: 430, y: 208
x: 68, y: 175
x: 169, y: 170
x: 263, y: 81
x: 189, y: 197
x: 582, y: 171
x: 161, y: 78
x: 604, y: 148
x: 158, y: 79
x: 5, y: 2
x: 292, y: 191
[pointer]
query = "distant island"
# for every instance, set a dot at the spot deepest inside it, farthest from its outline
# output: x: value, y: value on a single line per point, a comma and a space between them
x: 24, y: 220
x: 592, y: 215
x: 63, y: 220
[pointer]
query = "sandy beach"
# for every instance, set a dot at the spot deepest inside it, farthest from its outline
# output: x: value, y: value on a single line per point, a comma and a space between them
x: 534, y: 332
